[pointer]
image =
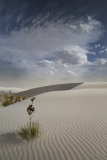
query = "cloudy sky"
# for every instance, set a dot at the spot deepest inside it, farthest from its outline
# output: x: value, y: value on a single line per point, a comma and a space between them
x: 45, y: 42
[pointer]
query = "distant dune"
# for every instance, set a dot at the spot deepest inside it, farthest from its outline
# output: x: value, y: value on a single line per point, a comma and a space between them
x: 92, y: 85
x: 40, y: 90
x: 4, y: 90
x: 73, y: 119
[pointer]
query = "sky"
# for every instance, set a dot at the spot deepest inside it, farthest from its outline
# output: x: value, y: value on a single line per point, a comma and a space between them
x: 45, y: 42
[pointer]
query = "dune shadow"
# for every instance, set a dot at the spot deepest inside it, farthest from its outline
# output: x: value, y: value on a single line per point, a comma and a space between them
x: 40, y: 90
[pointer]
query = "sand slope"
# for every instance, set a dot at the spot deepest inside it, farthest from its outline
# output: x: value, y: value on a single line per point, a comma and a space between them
x: 40, y: 90
x: 74, y: 123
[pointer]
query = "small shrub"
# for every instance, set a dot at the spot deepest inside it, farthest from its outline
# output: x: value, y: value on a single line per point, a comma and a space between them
x: 8, y: 99
x: 23, y: 97
x: 6, y: 103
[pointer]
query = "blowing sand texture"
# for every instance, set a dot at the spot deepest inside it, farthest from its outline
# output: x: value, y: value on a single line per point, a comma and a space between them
x: 74, y: 124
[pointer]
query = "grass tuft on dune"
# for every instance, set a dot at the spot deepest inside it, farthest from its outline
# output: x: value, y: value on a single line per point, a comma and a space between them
x: 8, y: 99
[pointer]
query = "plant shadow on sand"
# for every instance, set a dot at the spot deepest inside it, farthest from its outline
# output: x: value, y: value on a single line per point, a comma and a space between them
x: 9, y: 139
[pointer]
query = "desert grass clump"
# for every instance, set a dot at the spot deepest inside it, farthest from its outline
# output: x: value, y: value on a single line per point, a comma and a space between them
x: 32, y: 129
x: 8, y: 99
x: 26, y: 133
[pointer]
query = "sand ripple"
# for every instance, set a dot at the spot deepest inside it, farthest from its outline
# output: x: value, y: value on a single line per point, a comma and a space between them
x: 74, y: 126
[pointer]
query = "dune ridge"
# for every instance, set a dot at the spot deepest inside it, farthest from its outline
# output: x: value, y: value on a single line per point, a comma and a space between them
x: 74, y: 126
x: 40, y: 90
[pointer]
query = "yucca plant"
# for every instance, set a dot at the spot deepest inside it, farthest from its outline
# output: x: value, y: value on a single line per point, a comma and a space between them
x: 30, y: 110
x: 32, y: 129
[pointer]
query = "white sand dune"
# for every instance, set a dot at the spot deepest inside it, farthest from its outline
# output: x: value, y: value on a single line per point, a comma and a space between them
x: 4, y: 90
x: 74, y: 123
x: 92, y: 85
x: 40, y: 90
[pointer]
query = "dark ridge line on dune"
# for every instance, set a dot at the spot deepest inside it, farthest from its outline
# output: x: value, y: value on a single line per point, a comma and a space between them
x: 40, y: 90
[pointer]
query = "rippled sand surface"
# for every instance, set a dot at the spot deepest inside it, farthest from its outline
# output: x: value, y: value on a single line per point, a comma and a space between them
x: 74, y: 123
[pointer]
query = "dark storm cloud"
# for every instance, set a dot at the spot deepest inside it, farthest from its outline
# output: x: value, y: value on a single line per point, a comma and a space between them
x: 17, y: 13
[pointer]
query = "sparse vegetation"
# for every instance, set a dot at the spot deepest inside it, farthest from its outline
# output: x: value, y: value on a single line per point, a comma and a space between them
x: 32, y: 129
x: 27, y: 132
x: 8, y: 99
